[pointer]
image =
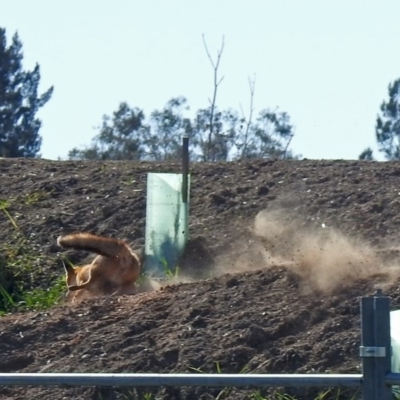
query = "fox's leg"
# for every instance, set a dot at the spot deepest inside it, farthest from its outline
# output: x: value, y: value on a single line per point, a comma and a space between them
x: 80, y: 295
x: 70, y: 296
x: 73, y: 296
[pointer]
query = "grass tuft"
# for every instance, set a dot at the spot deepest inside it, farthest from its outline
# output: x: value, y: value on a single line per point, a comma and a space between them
x: 21, y: 264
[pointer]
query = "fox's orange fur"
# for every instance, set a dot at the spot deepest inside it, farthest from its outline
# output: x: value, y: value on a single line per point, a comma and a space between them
x: 114, y: 270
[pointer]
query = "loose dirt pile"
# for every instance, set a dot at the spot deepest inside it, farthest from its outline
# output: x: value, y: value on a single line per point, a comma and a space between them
x: 280, y: 253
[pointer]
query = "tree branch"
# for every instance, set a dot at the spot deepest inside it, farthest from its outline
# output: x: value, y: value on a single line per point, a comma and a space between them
x: 248, y: 124
x: 215, y: 65
x: 287, y: 146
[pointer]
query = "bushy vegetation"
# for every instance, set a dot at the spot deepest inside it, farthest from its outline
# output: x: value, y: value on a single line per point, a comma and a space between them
x: 21, y: 262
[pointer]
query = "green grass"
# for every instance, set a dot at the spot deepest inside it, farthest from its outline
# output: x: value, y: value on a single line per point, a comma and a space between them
x: 21, y: 265
x: 43, y: 299
x: 35, y: 197
x: 4, y: 205
x: 170, y: 272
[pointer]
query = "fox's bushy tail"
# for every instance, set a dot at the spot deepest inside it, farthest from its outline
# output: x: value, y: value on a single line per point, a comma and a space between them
x: 107, y: 247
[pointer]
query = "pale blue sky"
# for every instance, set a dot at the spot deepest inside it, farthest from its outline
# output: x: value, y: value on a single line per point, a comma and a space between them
x: 326, y: 63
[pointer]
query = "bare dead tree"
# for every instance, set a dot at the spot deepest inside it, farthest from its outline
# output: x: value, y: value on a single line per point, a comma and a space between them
x: 248, y: 121
x: 284, y: 153
x: 217, y: 82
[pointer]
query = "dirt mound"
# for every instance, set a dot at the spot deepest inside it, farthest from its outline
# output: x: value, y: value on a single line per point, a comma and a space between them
x: 292, y: 246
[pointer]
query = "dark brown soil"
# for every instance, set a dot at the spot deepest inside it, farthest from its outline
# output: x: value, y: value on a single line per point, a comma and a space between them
x: 251, y: 315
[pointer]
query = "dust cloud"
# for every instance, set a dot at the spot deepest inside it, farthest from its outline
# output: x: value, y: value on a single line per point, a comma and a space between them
x: 323, y: 256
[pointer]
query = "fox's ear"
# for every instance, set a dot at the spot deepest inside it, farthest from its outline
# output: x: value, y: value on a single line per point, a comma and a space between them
x: 67, y: 269
x: 69, y: 273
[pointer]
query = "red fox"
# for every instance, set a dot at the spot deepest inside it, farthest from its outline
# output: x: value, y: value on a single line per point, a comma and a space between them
x: 113, y: 271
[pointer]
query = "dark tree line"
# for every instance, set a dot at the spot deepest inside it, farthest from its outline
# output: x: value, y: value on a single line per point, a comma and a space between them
x: 387, y: 126
x: 19, y: 102
x: 127, y: 134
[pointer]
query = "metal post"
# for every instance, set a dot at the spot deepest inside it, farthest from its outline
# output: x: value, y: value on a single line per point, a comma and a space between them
x: 185, y: 167
x: 382, y: 341
x: 367, y: 344
x: 375, y: 347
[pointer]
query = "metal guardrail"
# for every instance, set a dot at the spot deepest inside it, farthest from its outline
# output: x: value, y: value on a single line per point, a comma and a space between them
x: 375, y: 352
x: 210, y: 380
